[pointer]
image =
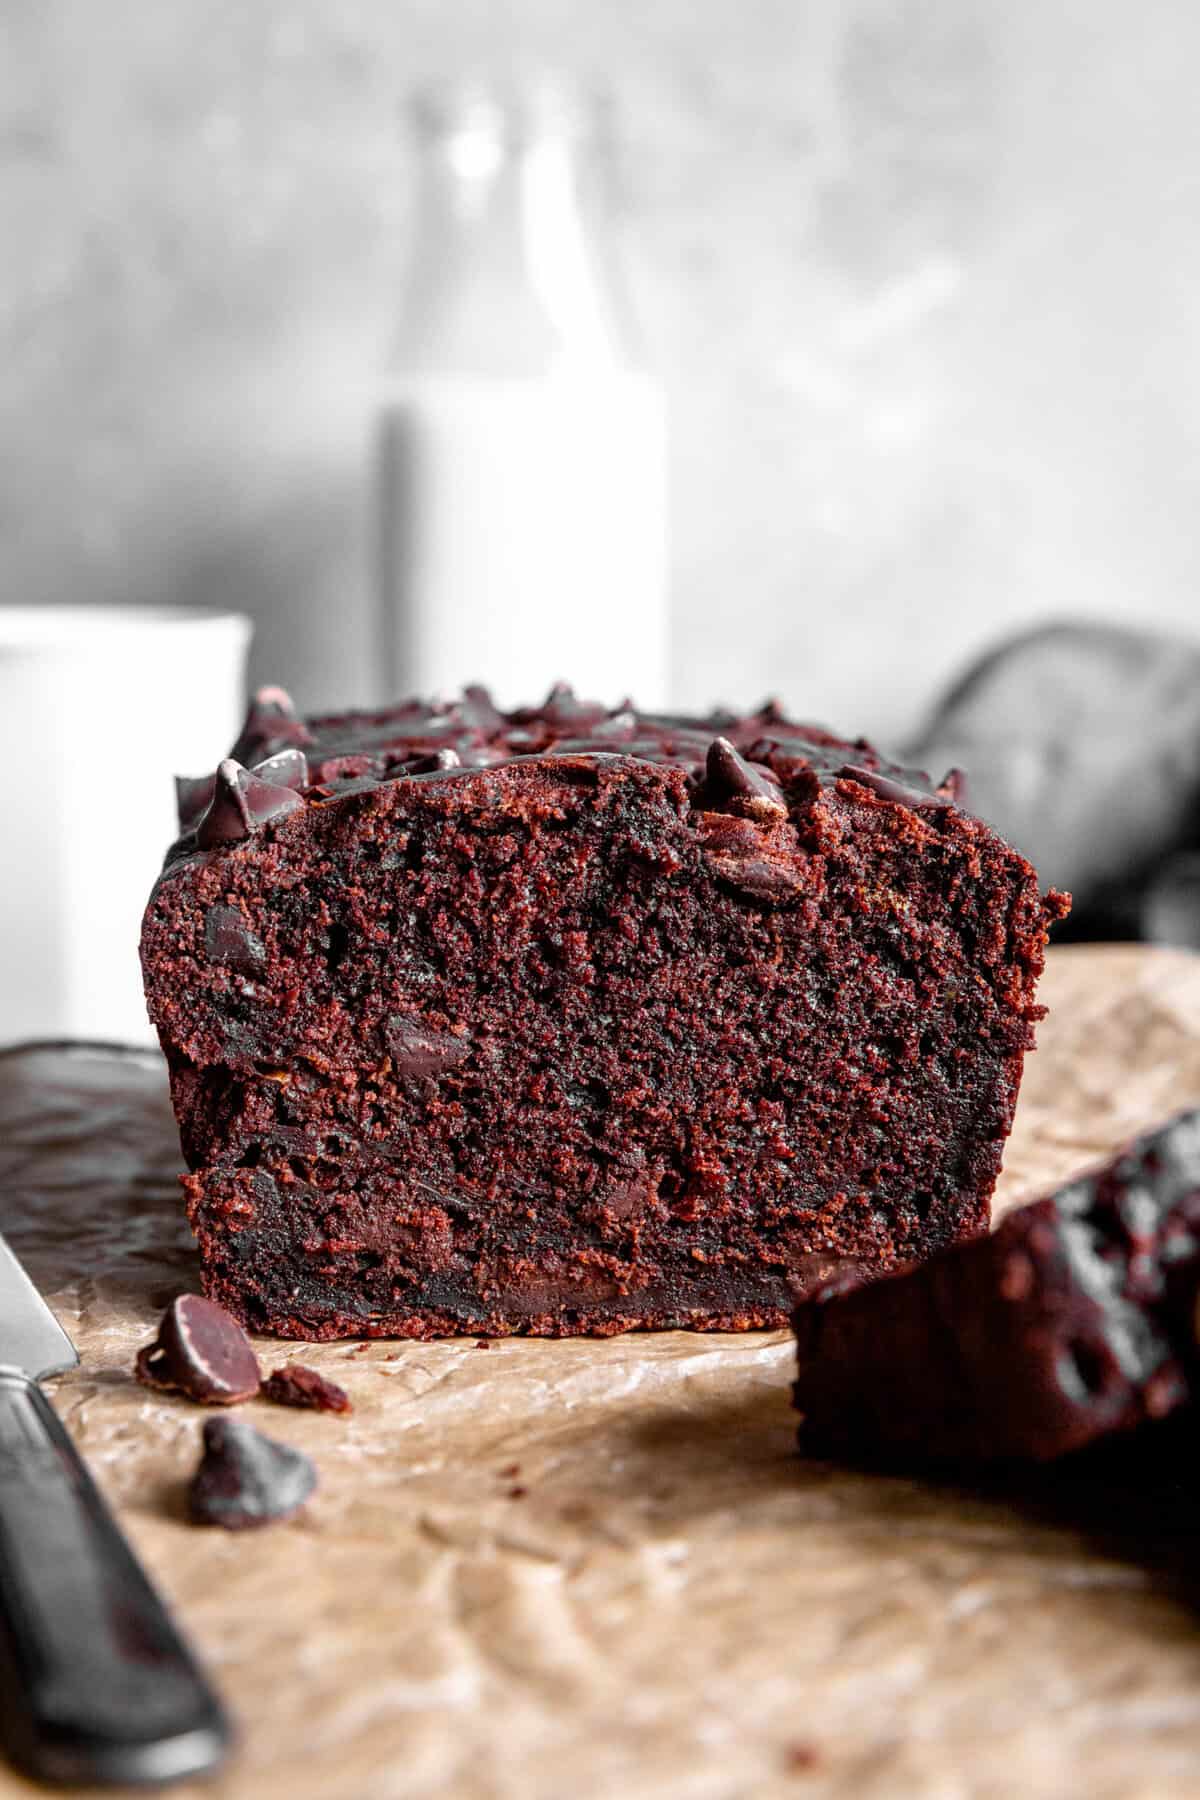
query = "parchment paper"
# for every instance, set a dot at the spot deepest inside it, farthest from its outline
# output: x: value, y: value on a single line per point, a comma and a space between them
x: 599, y: 1568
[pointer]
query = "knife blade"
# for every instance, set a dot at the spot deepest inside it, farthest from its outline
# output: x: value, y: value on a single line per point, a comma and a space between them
x: 98, y: 1686
x: 31, y: 1338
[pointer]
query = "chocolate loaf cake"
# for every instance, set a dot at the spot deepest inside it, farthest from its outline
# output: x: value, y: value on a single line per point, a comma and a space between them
x: 575, y: 1020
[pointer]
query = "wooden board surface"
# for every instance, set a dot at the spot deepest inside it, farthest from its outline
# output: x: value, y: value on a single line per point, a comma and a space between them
x: 594, y: 1569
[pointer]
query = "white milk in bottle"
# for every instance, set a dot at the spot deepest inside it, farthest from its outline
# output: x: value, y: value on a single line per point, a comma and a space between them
x: 521, y: 453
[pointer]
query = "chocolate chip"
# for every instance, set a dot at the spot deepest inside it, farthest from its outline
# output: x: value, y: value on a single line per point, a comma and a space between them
x: 563, y: 699
x: 736, y: 853
x: 564, y: 707
x: 245, y: 1479
x: 774, y: 884
x: 296, y: 1385
x: 431, y: 762
x: 800, y: 778
x: 200, y: 1351
x: 478, y: 709
x: 287, y: 768
x: 193, y: 795
x: 270, y: 724
x: 733, y: 784
x: 418, y: 1052
x: 619, y: 727
x: 229, y: 941
x: 889, y: 789
x: 241, y: 805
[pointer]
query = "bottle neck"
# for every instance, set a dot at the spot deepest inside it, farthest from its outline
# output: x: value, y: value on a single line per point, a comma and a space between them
x: 511, y: 271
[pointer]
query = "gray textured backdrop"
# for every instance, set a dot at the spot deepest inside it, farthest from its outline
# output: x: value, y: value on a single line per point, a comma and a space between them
x: 921, y: 276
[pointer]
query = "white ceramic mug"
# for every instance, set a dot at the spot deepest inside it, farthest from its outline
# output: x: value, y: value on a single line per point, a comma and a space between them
x: 99, y: 708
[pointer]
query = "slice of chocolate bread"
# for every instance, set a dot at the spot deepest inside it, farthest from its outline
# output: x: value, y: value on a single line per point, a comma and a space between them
x: 1075, y: 1320
x: 571, y: 1020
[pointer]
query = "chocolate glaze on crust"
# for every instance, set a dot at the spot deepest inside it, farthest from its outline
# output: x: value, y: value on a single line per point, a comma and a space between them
x: 1073, y: 1321
x: 576, y: 1019
x: 425, y: 739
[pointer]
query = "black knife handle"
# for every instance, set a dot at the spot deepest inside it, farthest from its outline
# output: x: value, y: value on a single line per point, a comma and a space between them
x: 96, y: 1685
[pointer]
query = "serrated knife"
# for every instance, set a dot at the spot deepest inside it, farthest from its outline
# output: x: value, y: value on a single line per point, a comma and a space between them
x: 96, y: 1684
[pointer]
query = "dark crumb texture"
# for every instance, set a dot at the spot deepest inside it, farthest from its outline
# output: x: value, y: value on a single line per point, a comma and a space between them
x: 296, y: 1385
x: 573, y: 1020
x: 1075, y: 1320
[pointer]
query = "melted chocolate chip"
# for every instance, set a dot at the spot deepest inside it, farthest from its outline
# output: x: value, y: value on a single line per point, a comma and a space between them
x: 953, y: 786
x: 296, y: 1385
x: 241, y: 805
x: 431, y: 762
x: 889, y: 789
x: 628, y: 1197
x: 229, y: 941
x: 287, y: 768
x: 270, y: 724
x: 245, y: 1479
x: 202, y: 1352
x: 423, y: 1236
x: 735, y: 850
x: 733, y: 784
x: 418, y: 1052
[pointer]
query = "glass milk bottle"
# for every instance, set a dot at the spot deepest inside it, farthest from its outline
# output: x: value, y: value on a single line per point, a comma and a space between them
x: 521, y: 451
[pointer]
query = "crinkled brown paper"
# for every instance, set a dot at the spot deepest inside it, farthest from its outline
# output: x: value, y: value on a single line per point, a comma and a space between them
x: 600, y: 1568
